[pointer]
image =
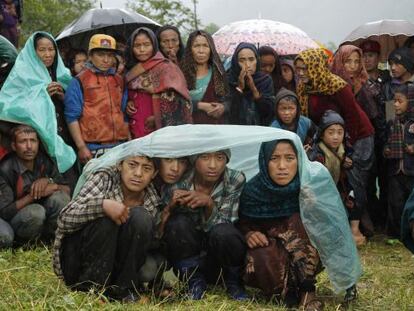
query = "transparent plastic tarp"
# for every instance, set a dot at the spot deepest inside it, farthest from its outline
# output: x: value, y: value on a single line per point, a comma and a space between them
x: 322, y: 211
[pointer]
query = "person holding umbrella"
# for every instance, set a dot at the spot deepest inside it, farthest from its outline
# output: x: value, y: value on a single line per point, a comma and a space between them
x: 95, y: 102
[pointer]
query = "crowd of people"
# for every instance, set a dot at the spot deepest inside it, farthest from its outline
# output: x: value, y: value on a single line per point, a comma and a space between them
x: 130, y: 222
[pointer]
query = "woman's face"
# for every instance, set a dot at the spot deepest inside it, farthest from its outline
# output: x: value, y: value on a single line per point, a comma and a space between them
x: 200, y: 50
x: 45, y: 50
x: 171, y: 170
x: 283, y: 164
x: 267, y: 63
x: 302, y: 71
x: 142, y: 47
x: 247, y: 60
x: 352, y: 64
x: 79, y: 62
x: 287, y: 73
x: 169, y: 42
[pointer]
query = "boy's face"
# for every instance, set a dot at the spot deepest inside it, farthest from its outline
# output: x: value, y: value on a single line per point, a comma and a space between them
x: 397, y: 70
x: 371, y: 60
x: 333, y: 136
x: 287, y: 111
x: 210, y: 166
x: 171, y: 170
x: 137, y: 173
x: 400, y: 103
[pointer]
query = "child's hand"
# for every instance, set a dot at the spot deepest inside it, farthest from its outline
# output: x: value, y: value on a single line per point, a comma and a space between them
x: 307, y: 147
x: 347, y: 162
x: 387, y: 151
x: 409, y: 149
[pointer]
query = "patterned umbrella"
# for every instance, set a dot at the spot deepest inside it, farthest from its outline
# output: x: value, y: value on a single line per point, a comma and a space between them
x: 284, y: 38
x: 389, y: 33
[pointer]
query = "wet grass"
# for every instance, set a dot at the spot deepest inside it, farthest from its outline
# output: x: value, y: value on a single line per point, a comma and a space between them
x: 27, y: 282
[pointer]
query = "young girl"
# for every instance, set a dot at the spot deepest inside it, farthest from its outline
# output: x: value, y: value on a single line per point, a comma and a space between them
x: 288, y: 117
x: 288, y: 74
x: 399, y: 152
x: 330, y: 151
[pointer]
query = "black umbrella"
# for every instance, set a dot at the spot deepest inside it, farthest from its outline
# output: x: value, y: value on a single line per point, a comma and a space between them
x: 114, y: 22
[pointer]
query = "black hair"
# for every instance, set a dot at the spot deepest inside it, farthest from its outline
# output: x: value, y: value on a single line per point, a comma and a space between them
x: 51, y: 69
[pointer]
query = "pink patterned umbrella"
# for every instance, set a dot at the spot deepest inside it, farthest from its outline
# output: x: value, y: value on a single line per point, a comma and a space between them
x: 284, y: 38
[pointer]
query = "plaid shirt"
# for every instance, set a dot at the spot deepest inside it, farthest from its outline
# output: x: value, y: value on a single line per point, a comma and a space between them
x: 87, y: 206
x: 225, y: 195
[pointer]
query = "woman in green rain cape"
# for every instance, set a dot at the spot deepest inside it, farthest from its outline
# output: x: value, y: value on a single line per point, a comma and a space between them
x: 31, y: 95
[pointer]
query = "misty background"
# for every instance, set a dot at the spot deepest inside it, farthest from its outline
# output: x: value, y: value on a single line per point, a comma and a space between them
x: 323, y: 20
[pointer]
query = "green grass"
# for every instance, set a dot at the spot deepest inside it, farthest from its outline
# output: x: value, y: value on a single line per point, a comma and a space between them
x: 27, y: 281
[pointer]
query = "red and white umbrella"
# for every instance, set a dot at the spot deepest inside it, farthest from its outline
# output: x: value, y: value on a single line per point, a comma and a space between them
x: 284, y: 38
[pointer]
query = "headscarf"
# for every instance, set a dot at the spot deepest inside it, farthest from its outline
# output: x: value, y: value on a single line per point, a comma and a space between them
x: 130, y: 60
x: 263, y: 82
x: 262, y: 198
x: 321, y: 80
x: 24, y: 99
x: 180, y: 51
x: 164, y: 75
x: 189, y: 67
x: 155, y: 76
x: 277, y: 71
x: 338, y: 68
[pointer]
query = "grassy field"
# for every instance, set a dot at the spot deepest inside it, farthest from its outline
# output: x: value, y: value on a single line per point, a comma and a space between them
x: 28, y: 282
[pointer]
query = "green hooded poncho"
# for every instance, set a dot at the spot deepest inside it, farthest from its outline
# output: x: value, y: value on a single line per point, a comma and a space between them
x: 24, y: 99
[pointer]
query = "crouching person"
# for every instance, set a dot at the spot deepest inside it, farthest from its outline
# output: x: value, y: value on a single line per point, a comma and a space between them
x: 32, y: 191
x: 199, y: 234
x: 105, y: 233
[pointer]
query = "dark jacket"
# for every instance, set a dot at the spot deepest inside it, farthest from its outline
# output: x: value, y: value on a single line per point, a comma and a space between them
x: 16, y: 180
x: 406, y: 164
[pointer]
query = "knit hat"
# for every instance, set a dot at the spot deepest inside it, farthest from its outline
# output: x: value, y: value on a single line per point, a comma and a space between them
x: 370, y: 46
x: 403, y: 56
x: 102, y: 42
x: 329, y: 118
x: 227, y: 152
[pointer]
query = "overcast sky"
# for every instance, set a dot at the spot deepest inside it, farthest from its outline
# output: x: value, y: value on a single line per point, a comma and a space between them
x: 323, y: 20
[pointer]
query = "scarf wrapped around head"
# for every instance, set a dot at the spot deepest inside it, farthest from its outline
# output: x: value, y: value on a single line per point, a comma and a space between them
x: 189, y: 67
x: 260, y: 79
x: 262, y: 197
x: 24, y: 98
x: 338, y: 68
x: 157, y: 74
x: 321, y: 80
x: 277, y: 71
x: 180, y: 51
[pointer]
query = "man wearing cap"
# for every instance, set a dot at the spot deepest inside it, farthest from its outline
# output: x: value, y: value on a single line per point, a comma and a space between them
x: 95, y: 102
x: 199, y: 220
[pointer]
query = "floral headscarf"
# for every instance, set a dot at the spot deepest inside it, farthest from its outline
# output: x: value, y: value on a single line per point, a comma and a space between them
x: 321, y: 80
